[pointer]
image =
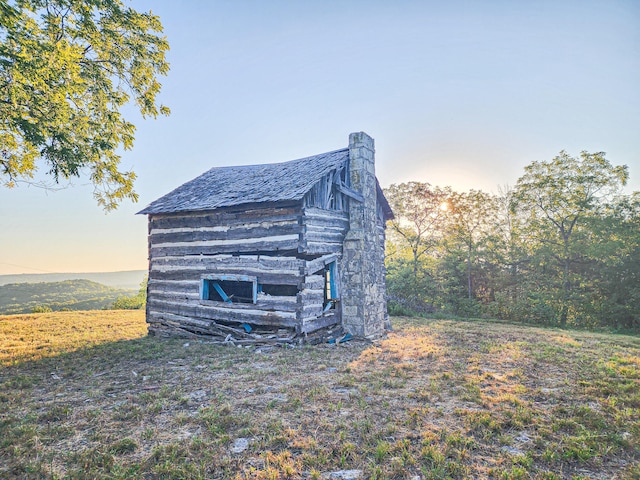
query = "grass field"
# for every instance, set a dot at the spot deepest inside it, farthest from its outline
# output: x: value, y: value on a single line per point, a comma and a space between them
x: 34, y: 336
x: 86, y: 395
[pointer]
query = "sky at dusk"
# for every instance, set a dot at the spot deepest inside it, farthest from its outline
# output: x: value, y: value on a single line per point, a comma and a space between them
x: 457, y: 93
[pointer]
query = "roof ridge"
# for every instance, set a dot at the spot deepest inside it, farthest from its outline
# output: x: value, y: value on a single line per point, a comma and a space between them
x: 281, y: 163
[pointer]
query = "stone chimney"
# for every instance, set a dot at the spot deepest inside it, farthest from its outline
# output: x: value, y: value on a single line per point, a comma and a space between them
x: 363, y: 298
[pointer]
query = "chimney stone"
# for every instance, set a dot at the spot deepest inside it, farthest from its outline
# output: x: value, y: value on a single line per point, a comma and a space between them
x: 363, y: 299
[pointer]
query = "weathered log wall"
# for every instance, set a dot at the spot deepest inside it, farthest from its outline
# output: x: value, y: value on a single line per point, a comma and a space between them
x: 287, y: 246
x: 256, y: 230
x: 323, y: 231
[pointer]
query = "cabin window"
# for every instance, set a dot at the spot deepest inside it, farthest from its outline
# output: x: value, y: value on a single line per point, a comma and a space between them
x: 229, y: 288
x: 278, y: 290
x: 330, y: 286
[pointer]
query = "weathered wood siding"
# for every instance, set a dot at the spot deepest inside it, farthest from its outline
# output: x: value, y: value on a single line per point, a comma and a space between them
x: 250, y: 231
x: 323, y: 231
x: 278, y: 246
x: 269, y: 269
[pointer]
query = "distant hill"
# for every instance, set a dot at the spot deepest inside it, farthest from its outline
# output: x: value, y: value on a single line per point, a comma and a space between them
x: 128, y: 280
x: 63, y: 295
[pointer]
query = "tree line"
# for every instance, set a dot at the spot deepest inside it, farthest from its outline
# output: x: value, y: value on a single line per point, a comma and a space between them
x: 561, y: 247
x: 79, y: 294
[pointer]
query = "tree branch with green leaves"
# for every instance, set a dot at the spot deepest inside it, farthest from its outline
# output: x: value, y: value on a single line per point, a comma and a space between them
x: 66, y: 70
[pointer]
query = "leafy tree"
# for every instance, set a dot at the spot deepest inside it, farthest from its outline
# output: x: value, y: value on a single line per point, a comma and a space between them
x: 505, y: 253
x: 412, y: 240
x: 135, y: 302
x: 556, y: 198
x: 420, y: 217
x: 474, y: 217
x: 66, y: 70
x: 411, y: 292
x: 41, y: 309
x: 614, y: 269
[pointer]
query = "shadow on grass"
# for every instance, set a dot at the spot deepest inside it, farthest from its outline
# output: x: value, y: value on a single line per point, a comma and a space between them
x: 90, y: 360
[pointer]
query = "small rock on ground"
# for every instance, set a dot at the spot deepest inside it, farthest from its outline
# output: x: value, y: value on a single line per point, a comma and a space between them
x: 240, y: 445
x: 343, y: 475
x: 198, y: 396
x: 512, y: 450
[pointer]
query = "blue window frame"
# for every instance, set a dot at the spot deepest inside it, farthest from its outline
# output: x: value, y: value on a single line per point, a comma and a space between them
x: 229, y: 288
x: 330, y: 286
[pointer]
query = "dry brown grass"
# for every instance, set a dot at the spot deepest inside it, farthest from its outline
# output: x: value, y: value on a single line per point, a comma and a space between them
x: 436, y: 399
x: 38, y: 335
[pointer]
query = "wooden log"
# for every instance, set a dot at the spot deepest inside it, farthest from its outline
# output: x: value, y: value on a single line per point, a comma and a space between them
x: 311, y: 311
x: 323, y: 237
x: 312, y: 324
x: 269, y: 270
x: 311, y: 300
x: 173, y: 296
x: 277, y: 303
x: 322, y: 214
x: 186, y: 326
x: 164, y: 324
x: 196, y: 275
x: 317, y: 264
x: 225, y: 227
x: 313, y: 282
x: 266, y: 262
x: 311, y: 296
x: 312, y: 228
x: 179, y: 286
x: 315, y: 224
x: 237, y: 233
x: 223, y: 269
x: 223, y: 217
x: 288, y: 243
x: 252, y: 243
x: 349, y: 192
x: 209, y: 328
x: 316, y: 248
x: 181, y: 319
x: 265, y: 303
x: 192, y: 275
x: 191, y: 329
x: 242, y: 313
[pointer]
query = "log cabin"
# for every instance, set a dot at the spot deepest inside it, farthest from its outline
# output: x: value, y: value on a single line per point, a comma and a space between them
x: 278, y: 252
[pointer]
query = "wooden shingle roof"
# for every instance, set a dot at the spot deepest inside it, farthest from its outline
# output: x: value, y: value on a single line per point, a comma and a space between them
x: 230, y: 186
